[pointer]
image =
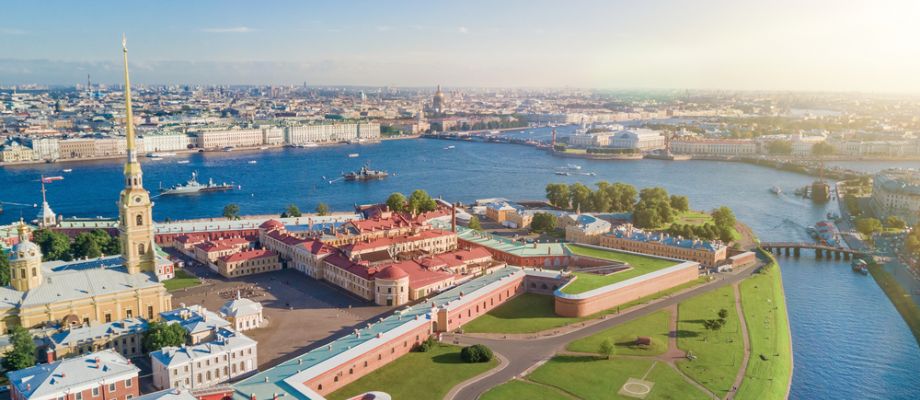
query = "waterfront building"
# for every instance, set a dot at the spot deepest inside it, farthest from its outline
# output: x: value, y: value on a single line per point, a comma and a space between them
x: 233, y: 137
x: 896, y: 192
x: 13, y: 151
x: 43, y: 147
x: 637, y: 139
x: 166, y: 142
x: 628, y: 238
x: 726, y: 147
x: 124, y: 336
x: 228, y: 357
x: 77, y: 148
x: 248, y: 262
x: 802, y: 144
x: 331, y: 133
x: 242, y: 313
x: 590, y: 139
x: 101, y: 375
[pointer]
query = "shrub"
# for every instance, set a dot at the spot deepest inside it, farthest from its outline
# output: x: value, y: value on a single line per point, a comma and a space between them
x: 476, y: 353
x: 423, y: 347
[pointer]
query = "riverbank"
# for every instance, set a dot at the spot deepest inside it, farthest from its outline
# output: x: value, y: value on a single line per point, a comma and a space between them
x: 899, y: 297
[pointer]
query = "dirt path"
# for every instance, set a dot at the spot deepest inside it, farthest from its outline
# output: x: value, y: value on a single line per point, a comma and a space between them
x: 747, y: 343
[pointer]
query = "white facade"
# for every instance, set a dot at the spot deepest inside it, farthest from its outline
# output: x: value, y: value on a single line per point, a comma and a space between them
x: 897, y: 192
x: 170, y: 142
x: 231, y: 356
x: 590, y: 140
x: 330, y: 133
x: 249, y: 137
x: 721, y: 147
x: 45, y: 148
x: 639, y: 139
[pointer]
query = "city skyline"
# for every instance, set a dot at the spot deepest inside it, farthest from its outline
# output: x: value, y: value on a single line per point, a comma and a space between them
x: 821, y: 46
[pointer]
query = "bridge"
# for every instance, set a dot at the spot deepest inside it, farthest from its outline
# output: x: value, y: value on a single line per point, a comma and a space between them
x: 821, y: 250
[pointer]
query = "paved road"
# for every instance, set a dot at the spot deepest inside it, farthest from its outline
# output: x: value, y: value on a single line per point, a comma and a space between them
x: 524, y: 355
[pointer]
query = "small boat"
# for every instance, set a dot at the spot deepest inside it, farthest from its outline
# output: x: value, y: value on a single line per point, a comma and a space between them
x: 156, y: 158
x: 228, y: 148
x: 263, y: 148
x: 253, y: 162
x: 193, y: 186
x: 573, y: 166
x: 365, y: 174
x: 563, y: 173
x: 160, y: 155
x: 182, y: 162
x: 353, y: 155
x: 776, y: 190
x: 860, y: 266
x: 449, y: 147
x: 68, y: 170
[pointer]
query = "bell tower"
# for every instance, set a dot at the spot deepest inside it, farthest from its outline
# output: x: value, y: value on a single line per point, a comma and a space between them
x: 25, y: 262
x: 135, y: 211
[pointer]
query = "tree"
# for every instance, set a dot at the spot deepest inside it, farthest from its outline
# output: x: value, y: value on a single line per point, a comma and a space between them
x: 723, y: 217
x: 85, y: 246
x: 476, y: 353
x: 23, y: 353
x: 106, y: 242
x: 723, y: 314
x: 580, y: 197
x: 161, y: 334
x: 420, y: 201
x: 543, y: 222
x: 558, y: 195
x: 292, y: 211
x: 680, y: 203
x: 653, y: 209
x: 322, y: 209
x: 4, y: 269
x: 54, y: 245
x: 474, y: 223
x: 607, y: 348
x: 232, y: 211
x: 868, y: 226
x: 601, y: 198
x: 779, y: 147
x: 396, y: 202
x: 822, y: 149
x: 893, y: 221
x: 622, y: 197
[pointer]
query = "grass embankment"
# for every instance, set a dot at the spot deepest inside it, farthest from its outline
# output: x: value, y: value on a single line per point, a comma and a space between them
x: 529, y: 313
x: 654, y: 326
x: 590, y: 378
x: 770, y: 365
x: 899, y: 297
x: 719, y: 354
x: 182, y: 280
x: 417, y: 376
x: 641, y: 265
x: 518, y: 389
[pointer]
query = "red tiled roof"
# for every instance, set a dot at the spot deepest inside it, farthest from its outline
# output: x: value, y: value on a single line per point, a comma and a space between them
x: 222, y: 244
x: 340, y: 261
x: 248, y: 255
x: 391, y: 273
x: 420, y: 276
x: 286, y: 238
x: 271, y: 224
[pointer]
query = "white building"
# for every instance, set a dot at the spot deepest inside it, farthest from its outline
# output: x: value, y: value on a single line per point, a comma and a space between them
x: 166, y: 142
x: 229, y: 357
x: 243, y: 314
x: 200, y: 323
x: 715, y: 146
x: 896, y: 192
x: 331, y: 133
x: 801, y: 144
x: 235, y: 137
x: 590, y: 140
x: 638, y: 139
x: 44, y: 148
x: 101, y: 375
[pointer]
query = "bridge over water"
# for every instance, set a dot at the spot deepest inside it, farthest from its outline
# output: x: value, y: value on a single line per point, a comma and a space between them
x: 821, y: 250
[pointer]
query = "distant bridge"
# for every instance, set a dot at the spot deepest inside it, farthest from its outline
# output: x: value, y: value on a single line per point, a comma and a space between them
x: 821, y: 250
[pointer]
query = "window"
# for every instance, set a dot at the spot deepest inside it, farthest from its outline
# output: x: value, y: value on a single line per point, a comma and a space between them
x: 150, y: 312
x: 128, y: 383
x: 108, y: 317
x: 34, y: 272
x: 78, y: 396
x: 111, y: 387
x: 95, y: 391
x: 139, y: 220
x: 129, y: 313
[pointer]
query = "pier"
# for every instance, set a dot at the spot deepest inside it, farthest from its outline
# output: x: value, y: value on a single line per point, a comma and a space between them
x: 821, y: 251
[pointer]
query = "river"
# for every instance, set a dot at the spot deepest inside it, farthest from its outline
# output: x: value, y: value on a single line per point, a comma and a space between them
x: 848, y: 340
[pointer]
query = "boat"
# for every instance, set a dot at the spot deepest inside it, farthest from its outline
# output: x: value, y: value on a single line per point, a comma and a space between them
x: 365, y: 174
x: 776, y: 190
x: 160, y: 155
x: 311, y: 144
x: 156, y: 158
x: 68, y: 170
x: 263, y: 148
x: 563, y: 173
x: 860, y: 266
x: 449, y: 147
x: 228, y: 148
x: 193, y: 186
x: 573, y: 166
x: 353, y: 155
x: 253, y: 162
x: 826, y: 232
x: 182, y: 162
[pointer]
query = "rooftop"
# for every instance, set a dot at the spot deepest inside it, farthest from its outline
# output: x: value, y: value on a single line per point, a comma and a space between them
x: 510, y: 246
x: 72, y: 374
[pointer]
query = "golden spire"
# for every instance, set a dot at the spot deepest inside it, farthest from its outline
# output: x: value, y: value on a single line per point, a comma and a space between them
x: 23, y: 231
x: 132, y: 168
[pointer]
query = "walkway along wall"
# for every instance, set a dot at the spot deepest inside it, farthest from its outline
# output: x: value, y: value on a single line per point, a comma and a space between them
x: 593, y: 301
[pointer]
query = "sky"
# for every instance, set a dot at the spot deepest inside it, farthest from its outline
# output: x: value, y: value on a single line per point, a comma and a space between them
x: 818, y: 45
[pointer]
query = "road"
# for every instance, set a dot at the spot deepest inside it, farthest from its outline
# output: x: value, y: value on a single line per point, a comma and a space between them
x: 525, y: 355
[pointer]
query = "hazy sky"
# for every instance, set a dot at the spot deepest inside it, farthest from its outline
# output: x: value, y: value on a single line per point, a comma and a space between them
x: 722, y: 44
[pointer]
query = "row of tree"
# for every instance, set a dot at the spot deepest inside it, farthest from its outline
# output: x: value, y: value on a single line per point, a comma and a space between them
x: 417, y: 202
x: 92, y: 244
x: 615, y: 197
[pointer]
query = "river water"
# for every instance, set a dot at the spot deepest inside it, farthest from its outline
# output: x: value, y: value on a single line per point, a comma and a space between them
x: 849, y: 342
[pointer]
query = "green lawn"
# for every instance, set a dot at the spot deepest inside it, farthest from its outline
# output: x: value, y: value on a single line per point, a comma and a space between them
x: 529, y: 313
x: 641, y: 265
x: 764, y: 307
x: 654, y: 325
x: 182, y: 280
x: 693, y: 218
x: 593, y: 378
x: 517, y: 389
x: 420, y: 376
x: 719, y: 353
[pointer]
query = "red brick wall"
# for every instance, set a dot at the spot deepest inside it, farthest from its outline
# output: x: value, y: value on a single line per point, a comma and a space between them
x: 583, y: 307
x: 468, y: 312
x: 121, y: 392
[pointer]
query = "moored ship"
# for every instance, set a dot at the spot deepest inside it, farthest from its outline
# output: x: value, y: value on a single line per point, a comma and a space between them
x: 365, y: 174
x: 193, y: 186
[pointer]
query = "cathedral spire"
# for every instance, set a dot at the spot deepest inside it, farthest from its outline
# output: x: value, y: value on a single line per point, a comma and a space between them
x: 133, y: 175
